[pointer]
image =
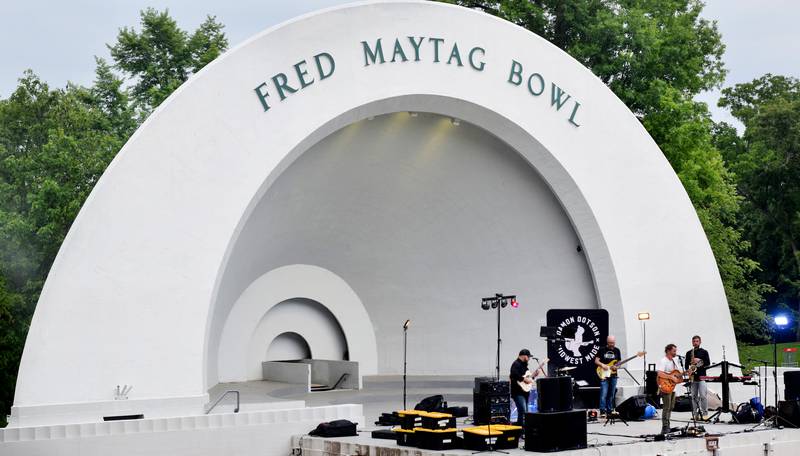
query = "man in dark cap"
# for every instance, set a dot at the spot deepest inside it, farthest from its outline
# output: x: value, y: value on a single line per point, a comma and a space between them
x: 520, y: 373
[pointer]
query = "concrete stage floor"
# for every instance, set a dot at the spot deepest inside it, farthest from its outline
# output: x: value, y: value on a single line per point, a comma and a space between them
x: 384, y: 394
x: 610, y: 440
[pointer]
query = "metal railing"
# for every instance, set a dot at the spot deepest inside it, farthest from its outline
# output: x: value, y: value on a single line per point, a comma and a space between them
x: 236, y: 410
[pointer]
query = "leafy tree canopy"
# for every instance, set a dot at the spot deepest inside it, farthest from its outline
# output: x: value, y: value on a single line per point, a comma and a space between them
x: 162, y: 56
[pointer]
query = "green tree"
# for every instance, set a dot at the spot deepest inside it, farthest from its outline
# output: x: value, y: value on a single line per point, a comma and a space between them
x: 162, y: 56
x: 656, y: 55
x: 55, y: 144
x: 766, y: 159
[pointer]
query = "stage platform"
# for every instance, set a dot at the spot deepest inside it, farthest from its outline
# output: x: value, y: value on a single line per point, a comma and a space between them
x: 610, y: 440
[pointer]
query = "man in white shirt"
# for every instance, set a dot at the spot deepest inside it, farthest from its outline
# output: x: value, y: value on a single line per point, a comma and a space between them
x: 666, y: 366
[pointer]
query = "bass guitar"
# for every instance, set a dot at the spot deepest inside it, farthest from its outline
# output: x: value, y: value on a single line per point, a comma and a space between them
x: 614, y: 365
x: 527, y: 387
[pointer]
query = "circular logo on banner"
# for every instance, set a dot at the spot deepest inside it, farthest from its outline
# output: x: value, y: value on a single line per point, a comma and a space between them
x: 581, y: 340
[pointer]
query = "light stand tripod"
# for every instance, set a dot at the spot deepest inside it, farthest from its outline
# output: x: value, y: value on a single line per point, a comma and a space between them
x: 498, y: 301
x: 405, y: 364
x: 775, y: 420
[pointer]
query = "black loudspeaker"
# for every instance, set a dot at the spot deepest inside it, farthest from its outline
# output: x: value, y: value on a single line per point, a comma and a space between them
x: 632, y: 408
x: 587, y: 397
x: 651, y: 384
x: 555, y: 394
x: 791, y: 385
x: 789, y: 412
x: 557, y: 431
x: 683, y: 403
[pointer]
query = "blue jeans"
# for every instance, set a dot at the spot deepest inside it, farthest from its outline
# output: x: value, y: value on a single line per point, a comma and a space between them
x: 608, y: 389
x: 521, y: 401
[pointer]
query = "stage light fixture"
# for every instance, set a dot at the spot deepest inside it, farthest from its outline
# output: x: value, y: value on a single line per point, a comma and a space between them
x: 485, y: 305
x: 495, y: 303
x: 514, y: 303
x: 781, y: 320
x: 643, y: 315
x: 504, y: 303
x: 406, y: 324
x: 455, y: 121
x: 413, y: 114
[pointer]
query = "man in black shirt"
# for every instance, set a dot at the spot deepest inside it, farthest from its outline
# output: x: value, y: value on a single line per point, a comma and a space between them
x: 608, y: 387
x: 520, y: 397
x: 699, y: 357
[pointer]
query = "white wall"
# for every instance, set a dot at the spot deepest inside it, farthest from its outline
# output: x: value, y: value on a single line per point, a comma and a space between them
x: 132, y: 296
x: 422, y: 218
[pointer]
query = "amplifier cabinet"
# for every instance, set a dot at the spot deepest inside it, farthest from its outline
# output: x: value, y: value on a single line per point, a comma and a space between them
x: 488, y: 385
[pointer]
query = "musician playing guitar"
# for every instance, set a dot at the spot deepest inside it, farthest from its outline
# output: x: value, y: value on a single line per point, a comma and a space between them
x: 520, y: 375
x: 608, y: 361
x: 669, y: 375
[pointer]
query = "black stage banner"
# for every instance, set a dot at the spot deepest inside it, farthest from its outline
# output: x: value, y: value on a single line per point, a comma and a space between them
x: 583, y: 333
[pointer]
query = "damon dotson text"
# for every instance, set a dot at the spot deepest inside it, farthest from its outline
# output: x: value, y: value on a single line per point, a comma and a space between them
x: 321, y: 66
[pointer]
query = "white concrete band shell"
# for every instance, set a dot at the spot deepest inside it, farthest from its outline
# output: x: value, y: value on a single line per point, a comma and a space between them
x: 383, y: 187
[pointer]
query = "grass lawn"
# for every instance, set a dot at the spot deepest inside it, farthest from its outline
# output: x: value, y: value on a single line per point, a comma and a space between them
x: 765, y: 352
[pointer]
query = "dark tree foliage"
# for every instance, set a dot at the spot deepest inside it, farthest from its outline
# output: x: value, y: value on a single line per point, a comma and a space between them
x: 656, y: 55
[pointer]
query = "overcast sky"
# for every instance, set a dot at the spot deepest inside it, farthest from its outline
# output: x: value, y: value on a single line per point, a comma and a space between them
x: 57, y: 39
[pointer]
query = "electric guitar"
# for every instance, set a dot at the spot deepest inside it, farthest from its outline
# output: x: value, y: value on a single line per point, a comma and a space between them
x: 667, y: 384
x: 614, y: 365
x: 528, y: 375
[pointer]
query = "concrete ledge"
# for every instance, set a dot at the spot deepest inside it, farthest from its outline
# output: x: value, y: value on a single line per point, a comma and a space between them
x: 278, y: 425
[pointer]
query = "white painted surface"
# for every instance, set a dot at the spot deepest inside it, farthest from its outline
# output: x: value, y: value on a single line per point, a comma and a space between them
x: 288, y: 345
x: 260, y: 432
x: 252, y: 324
x: 132, y: 297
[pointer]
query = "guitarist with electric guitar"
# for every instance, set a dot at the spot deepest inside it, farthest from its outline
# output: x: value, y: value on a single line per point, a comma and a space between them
x: 522, y: 382
x: 608, y: 360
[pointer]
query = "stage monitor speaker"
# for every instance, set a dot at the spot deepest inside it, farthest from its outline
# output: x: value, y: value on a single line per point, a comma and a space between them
x: 791, y: 384
x: 632, y: 408
x: 557, y: 431
x: 554, y: 394
x: 789, y: 412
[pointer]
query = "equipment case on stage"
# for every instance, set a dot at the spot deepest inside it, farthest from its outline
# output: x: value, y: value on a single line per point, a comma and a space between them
x: 501, y: 436
x: 437, y: 420
x: 410, y: 419
x: 406, y: 437
x: 436, y: 439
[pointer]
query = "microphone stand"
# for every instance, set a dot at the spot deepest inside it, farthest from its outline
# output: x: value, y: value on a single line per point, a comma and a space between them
x: 405, y: 364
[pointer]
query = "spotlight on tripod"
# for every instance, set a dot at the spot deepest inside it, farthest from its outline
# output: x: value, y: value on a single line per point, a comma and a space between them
x: 498, y: 301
